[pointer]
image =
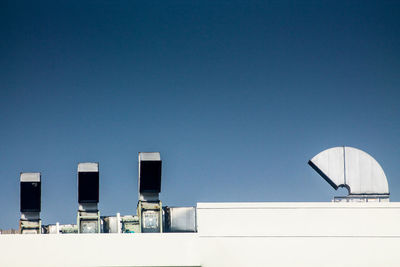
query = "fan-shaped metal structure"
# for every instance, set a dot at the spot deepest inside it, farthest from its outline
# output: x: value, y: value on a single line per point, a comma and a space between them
x: 352, y: 168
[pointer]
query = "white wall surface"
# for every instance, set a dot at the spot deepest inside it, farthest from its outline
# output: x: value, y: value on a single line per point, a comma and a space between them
x: 233, y: 234
x: 99, y: 250
x: 299, y: 219
x: 299, y: 234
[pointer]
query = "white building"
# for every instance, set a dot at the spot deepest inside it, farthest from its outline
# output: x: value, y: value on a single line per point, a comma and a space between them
x: 233, y: 234
x: 362, y: 229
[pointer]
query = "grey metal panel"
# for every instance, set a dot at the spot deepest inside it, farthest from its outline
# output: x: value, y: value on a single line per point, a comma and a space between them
x: 111, y: 224
x: 30, y: 216
x: 145, y: 156
x: 182, y: 219
x: 149, y: 196
x: 364, y: 175
x: 30, y: 177
x: 329, y: 164
x: 352, y: 168
x: 88, y: 207
x: 88, y: 167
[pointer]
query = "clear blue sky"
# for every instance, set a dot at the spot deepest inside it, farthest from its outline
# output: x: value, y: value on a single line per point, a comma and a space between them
x: 236, y: 95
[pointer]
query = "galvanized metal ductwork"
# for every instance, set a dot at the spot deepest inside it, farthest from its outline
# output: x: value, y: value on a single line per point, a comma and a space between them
x: 88, y: 218
x: 149, y: 207
x: 180, y: 219
x: 30, y: 203
x: 151, y: 216
x: 354, y: 169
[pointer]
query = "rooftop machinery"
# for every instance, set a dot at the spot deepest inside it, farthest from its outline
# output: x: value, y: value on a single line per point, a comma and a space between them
x: 346, y: 167
x: 88, y: 218
x: 30, y: 200
x: 149, y: 208
x: 355, y: 170
x: 150, y: 216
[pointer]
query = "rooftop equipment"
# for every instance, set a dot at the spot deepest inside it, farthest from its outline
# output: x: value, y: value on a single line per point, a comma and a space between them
x: 88, y: 219
x: 149, y: 207
x: 353, y: 169
x: 60, y: 229
x: 121, y: 224
x: 180, y: 219
x: 149, y: 182
x: 151, y: 216
x: 30, y: 201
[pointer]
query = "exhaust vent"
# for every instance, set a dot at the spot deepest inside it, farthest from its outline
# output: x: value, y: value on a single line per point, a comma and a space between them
x: 30, y: 203
x: 354, y: 169
x: 88, y: 182
x: 30, y: 192
x: 149, y: 176
x: 88, y: 218
x: 149, y: 184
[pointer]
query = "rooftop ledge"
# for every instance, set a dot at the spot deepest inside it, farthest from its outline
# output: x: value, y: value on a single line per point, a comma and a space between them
x: 303, y: 205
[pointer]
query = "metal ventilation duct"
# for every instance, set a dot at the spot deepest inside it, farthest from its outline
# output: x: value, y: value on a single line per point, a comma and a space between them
x: 352, y: 168
x: 149, y: 176
x: 30, y: 196
x: 88, y: 182
x: 88, y: 219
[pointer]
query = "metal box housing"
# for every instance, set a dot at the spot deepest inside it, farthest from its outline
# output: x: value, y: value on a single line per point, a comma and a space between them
x: 180, y: 219
x: 30, y: 192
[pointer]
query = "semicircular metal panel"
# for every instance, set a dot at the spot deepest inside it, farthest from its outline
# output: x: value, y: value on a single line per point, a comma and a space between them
x: 330, y: 165
x: 352, y: 168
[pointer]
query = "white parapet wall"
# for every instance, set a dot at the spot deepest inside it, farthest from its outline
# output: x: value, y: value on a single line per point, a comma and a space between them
x: 111, y: 250
x: 299, y: 234
x: 233, y: 234
x: 299, y: 219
